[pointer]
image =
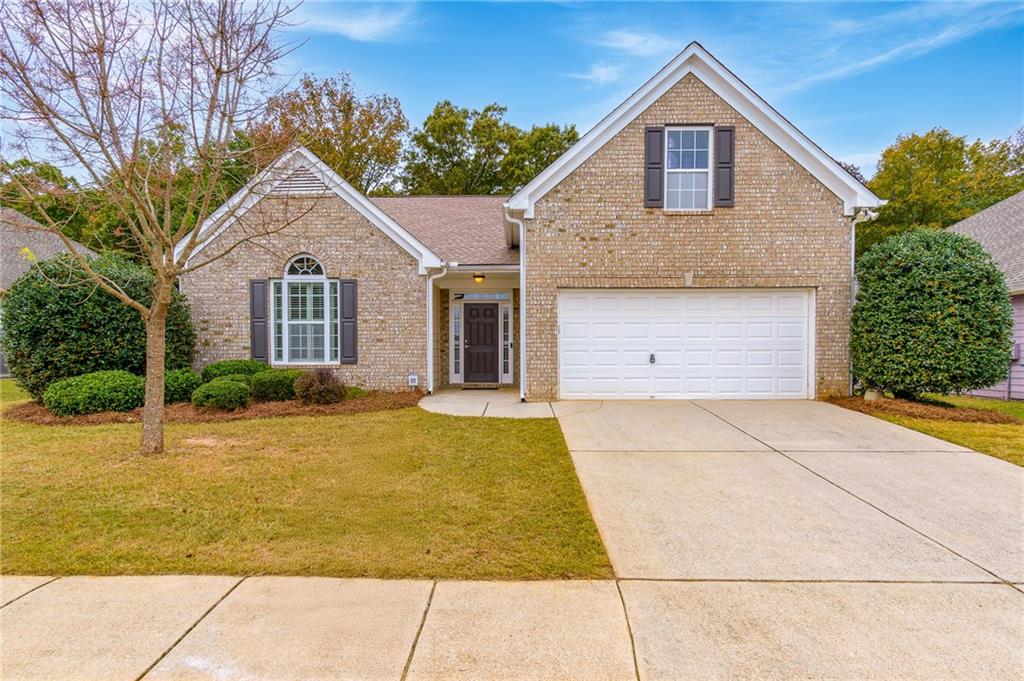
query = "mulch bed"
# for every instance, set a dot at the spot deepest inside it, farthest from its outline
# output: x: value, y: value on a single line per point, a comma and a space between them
x: 34, y: 412
x: 938, y: 411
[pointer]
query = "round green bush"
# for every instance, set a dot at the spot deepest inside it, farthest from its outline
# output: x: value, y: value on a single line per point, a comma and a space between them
x: 932, y: 314
x: 233, y: 366
x: 275, y: 385
x: 57, y: 323
x: 237, y: 378
x: 179, y: 385
x: 222, y: 395
x: 95, y: 392
x: 319, y: 386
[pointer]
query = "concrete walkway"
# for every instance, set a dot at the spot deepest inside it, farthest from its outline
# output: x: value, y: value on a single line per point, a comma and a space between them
x: 500, y: 403
x: 228, y: 628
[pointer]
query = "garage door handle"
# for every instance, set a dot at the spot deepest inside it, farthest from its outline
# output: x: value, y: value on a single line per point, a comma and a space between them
x: 651, y: 360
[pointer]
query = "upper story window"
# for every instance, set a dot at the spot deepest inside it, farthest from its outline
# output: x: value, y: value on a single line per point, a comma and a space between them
x: 687, y: 168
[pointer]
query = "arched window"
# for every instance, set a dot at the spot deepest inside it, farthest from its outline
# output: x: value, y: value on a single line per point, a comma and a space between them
x: 305, y: 309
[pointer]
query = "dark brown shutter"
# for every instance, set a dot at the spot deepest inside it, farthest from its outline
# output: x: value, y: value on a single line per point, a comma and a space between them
x: 725, y: 154
x: 654, y: 166
x: 349, y: 325
x: 258, y: 327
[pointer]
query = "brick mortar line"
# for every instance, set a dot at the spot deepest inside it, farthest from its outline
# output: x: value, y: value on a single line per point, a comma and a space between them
x: 863, y: 500
x: 629, y: 629
x: 419, y: 631
x: 35, y: 588
x: 189, y: 630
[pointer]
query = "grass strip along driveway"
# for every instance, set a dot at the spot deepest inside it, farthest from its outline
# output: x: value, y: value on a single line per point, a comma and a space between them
x: 399, y: 493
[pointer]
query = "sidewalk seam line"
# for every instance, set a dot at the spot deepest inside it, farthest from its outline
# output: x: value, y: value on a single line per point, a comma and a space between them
x: 862, y: 500
x: 18, y: 598
x: 419, y: 630
x: 189, y: 630
x: 629, y: 629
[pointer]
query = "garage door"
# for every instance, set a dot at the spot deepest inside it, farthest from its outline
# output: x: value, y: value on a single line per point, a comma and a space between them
x: 692, y: 343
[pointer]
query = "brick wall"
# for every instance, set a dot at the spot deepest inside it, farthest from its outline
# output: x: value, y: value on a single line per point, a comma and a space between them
x: 391, y: 305
x: 592, y: 230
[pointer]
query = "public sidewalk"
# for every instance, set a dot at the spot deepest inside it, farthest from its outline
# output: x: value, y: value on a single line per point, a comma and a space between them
x: 176, y: 627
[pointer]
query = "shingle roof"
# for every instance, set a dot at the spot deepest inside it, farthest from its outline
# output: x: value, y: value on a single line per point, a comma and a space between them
x: 469, y: 230
x: 17, y: 232
x: 1000, y: 230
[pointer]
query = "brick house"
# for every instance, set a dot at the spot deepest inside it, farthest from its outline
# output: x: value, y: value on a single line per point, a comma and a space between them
x: 694, y: 243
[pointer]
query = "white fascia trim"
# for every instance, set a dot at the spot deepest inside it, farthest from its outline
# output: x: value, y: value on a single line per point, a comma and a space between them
x: 252, y: 192
x: 484, y: 268
x: 698, y: 61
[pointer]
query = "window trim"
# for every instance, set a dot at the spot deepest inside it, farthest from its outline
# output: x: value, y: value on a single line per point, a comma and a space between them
x: 691, y: 171
x: 329, y: 286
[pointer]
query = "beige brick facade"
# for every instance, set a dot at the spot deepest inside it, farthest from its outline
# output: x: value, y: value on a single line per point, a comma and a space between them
x: 786, y: 230
x: 391, y: 293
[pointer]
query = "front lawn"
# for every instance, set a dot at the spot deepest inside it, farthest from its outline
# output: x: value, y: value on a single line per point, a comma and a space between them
x: 401, y: 493
x: 1002, y: 440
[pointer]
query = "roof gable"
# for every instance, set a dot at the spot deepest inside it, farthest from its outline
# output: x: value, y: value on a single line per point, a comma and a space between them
x: 698, y: 61
x: 300, y: 172
x: 1000, y: 231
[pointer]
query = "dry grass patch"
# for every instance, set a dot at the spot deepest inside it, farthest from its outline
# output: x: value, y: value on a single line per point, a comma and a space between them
x: 934, y: 409
x: 401, y: 493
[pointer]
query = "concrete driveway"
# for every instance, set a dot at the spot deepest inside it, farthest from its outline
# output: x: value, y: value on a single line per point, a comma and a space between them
x: 776, y: 537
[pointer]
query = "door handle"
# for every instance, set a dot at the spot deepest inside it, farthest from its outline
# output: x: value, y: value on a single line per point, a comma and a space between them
x: 651, y: 360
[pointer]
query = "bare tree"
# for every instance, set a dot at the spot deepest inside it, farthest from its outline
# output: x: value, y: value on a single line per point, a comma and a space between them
x: 144, y: 99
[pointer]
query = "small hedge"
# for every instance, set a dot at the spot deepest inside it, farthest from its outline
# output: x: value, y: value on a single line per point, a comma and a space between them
x: 233, y: 366
x: 319, y: 386
x: 113, y: 390
x: 275, y: 385
x: 237, y: 378
x: 179, y: 385
x: 222, y: 395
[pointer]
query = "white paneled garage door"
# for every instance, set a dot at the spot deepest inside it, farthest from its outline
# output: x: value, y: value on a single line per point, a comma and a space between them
x: 685, y: 343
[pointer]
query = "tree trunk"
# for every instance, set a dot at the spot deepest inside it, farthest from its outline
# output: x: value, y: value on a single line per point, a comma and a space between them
x: 156, y: 341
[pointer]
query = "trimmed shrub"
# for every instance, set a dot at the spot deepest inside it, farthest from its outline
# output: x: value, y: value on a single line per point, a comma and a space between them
x: 179, y: 385
x: 319, y: 386
x: 355, y: 391
x: 933, y: 314
x: 233, y: 366
x: 222, y: 395
x: 245, y: 379
x: 94, y: 392
x: 275, y: 385
x: 57, y: 323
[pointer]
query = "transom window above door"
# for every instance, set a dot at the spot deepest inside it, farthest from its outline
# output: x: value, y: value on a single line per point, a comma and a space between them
x: 688, y: 169
x: 305, y: 314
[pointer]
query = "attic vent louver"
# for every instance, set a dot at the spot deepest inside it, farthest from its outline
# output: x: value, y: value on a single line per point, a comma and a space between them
x: 300, y: 181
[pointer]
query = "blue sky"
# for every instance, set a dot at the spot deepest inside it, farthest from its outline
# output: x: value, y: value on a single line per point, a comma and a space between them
x: 852, y: 76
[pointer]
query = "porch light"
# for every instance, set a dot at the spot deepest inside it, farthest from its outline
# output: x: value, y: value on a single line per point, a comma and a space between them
x: 478, y: 278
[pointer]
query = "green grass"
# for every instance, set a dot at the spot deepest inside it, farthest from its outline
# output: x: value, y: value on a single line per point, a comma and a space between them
x: 10, y: 392
x: 1002, y: 440
x: 388, y: 494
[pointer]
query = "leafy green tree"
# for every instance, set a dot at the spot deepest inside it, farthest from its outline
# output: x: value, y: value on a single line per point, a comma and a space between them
x: 360, y: 138
x: 468, y: 151
x: 937, y: 179
x: 932, y: 315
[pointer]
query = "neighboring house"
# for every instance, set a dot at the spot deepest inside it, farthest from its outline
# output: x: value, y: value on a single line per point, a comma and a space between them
x: 18, y: 233
x: 1000, y: 230
x: 693, y: 244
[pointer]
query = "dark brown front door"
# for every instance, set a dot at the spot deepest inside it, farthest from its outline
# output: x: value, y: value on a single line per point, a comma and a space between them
x: 481, y: 342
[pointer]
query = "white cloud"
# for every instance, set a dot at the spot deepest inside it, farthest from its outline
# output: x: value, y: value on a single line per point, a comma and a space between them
x: 638, y: 43
x: 368, y: 24
x: 599, y: 74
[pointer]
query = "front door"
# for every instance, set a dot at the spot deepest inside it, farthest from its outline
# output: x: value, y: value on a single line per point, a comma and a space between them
x: 481, y: 320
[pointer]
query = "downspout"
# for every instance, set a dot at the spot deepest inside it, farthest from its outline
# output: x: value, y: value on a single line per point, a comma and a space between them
x: 522, y: 304
x: 430, y: 325
x: 860, y: 215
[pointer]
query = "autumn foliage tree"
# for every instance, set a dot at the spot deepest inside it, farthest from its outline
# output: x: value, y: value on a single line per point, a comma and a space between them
x: 936, y: 179
x: 360, y: 138
x: 145, y: 101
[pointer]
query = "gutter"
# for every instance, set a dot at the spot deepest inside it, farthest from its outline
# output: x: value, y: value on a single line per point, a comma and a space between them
x: 522, y: 301
x: 430, y: 324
